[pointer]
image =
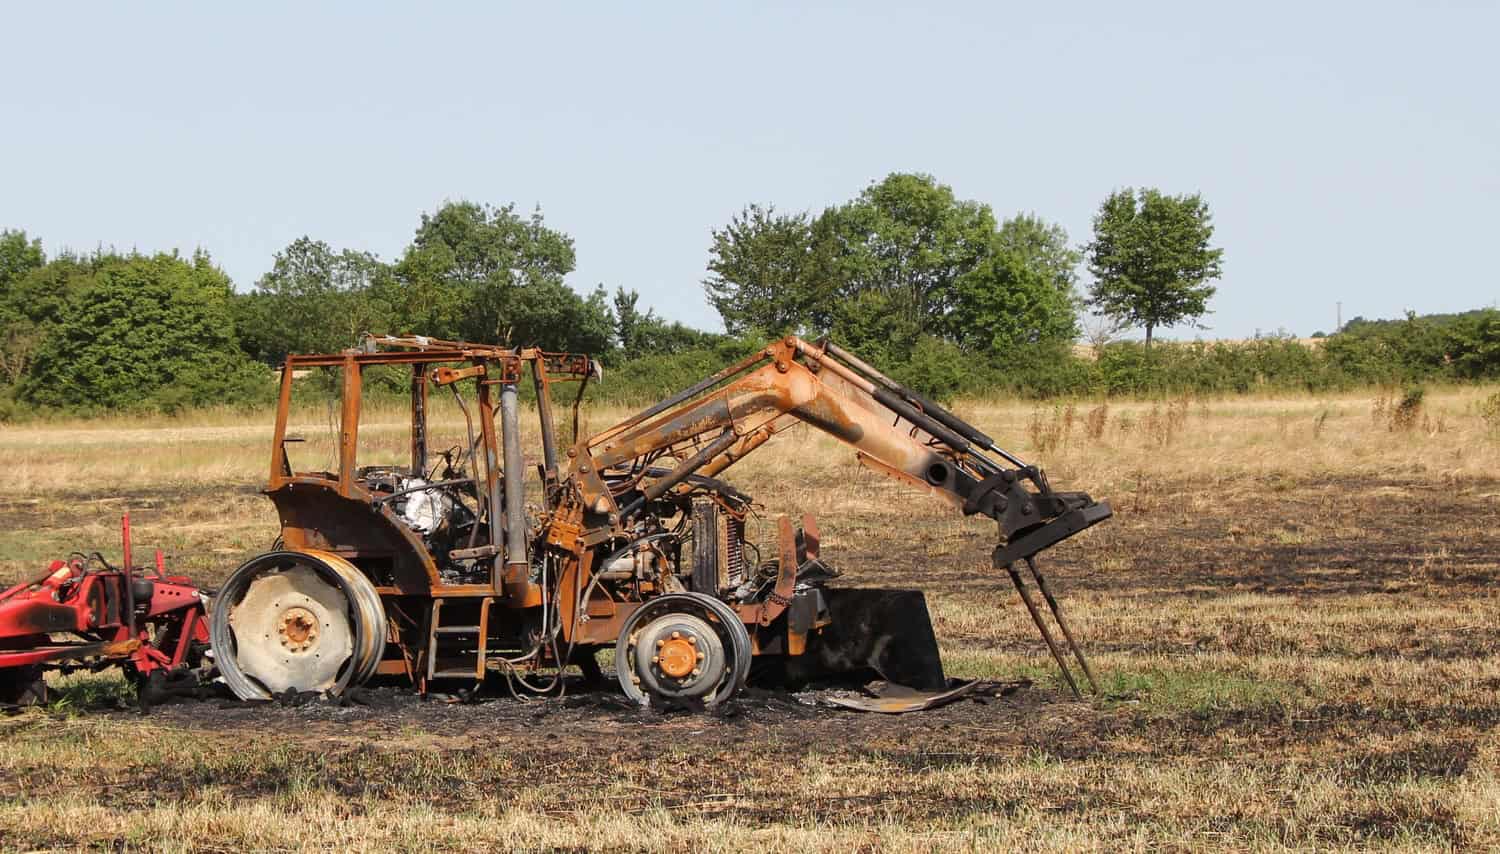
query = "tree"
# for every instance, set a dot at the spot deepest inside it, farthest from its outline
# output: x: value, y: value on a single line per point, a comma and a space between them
x: 1151, y: 258
x: 144, y: 331
x: 1043, y: 247
x: 1473, y: 344
x: 19, y: 335
x: 1008, y: 301
x: 628, y: 320
x: 768, y: 271
x: 18, y: 256
x: 313, y: 300
x: 464, y: 272
x: 35, y: 299
x: 551, y: 315
x: 909, y: 239
x: 644, y: 334
x: 903, y: 260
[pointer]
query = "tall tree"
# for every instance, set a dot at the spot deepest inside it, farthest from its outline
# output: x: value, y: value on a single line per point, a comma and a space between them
x: 1043, y: 247
x: 19, y: 333
x: 469, y: 264
x: 1151, y: 258
x: 909, y: 239
x: 551, y: 315
x: 628, y: 320
x: 18, y: 256
x: 767, y: 271
x: 1008, y: 301
x: 313, y: 300
x: 903, y: 260
x: 142, y: 331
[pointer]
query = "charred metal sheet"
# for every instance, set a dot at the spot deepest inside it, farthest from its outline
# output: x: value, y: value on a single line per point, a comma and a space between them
x: 871, y: 634
x: 898, y: 699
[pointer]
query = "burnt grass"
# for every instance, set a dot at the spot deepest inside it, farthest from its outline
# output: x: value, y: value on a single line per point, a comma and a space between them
x: 1317, y: 540
x: 392, y: 746
x: 147, y: 504
x: 1176, y: 548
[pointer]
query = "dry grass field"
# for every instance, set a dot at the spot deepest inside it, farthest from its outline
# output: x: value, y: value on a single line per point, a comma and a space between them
x: 1295, y: 613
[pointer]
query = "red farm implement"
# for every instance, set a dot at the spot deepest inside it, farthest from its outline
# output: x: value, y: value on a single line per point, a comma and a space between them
x: 84, y: 613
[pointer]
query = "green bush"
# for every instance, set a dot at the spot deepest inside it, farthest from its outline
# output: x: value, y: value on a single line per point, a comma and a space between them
x: 654, y: 377
x: 145, y: 333
x: 935, y: 368
x: 10, y: 410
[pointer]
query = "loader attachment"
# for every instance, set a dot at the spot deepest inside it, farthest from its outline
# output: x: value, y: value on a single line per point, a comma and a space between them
x: 872, y: 634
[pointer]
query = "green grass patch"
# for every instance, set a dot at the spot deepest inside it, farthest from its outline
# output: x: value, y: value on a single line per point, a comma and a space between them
x: 1199, y: 692
x: 77, y: 693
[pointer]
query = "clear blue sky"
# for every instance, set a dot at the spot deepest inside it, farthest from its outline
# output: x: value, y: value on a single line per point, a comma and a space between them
x: 1349, y: 151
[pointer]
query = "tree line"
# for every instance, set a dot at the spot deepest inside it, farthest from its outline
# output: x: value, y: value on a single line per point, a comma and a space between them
x: 111, y: 330
x: 932, y: 288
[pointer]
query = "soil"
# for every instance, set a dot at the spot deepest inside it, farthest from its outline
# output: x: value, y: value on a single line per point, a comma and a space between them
x: 1315, y: 540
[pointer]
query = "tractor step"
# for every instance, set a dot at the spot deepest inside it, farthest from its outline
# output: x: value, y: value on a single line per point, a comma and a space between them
x: 457, y: 651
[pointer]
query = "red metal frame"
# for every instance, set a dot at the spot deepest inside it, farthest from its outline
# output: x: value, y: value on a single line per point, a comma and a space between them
x: 94, y: 610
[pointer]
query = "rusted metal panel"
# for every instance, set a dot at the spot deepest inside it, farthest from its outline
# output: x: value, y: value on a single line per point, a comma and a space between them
x: 349, y: 426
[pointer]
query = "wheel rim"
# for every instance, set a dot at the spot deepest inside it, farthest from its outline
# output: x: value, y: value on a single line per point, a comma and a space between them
x: 679, y: 656
x: 684, y: 646
x: 292, y: 630
x: 296, y: 621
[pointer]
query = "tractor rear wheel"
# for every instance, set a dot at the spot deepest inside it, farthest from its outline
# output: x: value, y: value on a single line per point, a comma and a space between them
x: 22, y: 686
x: 297, y: 622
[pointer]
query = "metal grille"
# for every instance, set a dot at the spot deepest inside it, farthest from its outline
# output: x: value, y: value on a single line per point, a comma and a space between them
x: 733, y: 550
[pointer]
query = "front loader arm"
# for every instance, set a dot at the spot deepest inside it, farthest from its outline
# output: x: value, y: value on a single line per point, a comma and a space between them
x: 892, y: 429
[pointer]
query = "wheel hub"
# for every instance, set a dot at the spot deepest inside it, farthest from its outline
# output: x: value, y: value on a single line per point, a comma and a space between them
x: 682, y: 646
x: 292, y: 631
x: 678, y: 656
x: 297, y: 629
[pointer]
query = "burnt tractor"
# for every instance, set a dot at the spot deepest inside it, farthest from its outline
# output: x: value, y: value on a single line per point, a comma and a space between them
x: 487, y: 559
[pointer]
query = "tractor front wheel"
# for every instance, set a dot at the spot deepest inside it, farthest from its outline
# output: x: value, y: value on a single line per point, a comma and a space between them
x: 683, y: 647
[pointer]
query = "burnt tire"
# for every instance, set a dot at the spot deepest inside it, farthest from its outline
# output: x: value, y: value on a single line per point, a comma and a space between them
x: 22, y: 686
x: 297, y: 621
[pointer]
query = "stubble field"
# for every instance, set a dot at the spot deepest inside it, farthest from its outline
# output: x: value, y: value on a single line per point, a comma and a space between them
x: 1294, y: 614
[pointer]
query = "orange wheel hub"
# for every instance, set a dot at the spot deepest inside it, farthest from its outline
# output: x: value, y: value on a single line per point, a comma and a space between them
x: 677, y: 657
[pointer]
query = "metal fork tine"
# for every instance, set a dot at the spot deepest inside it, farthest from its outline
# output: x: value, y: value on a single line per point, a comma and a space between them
x: 1036, y: 617
x: 1041, y: 583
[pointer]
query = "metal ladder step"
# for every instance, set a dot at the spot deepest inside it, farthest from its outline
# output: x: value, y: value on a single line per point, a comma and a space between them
x: 446, y: 668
